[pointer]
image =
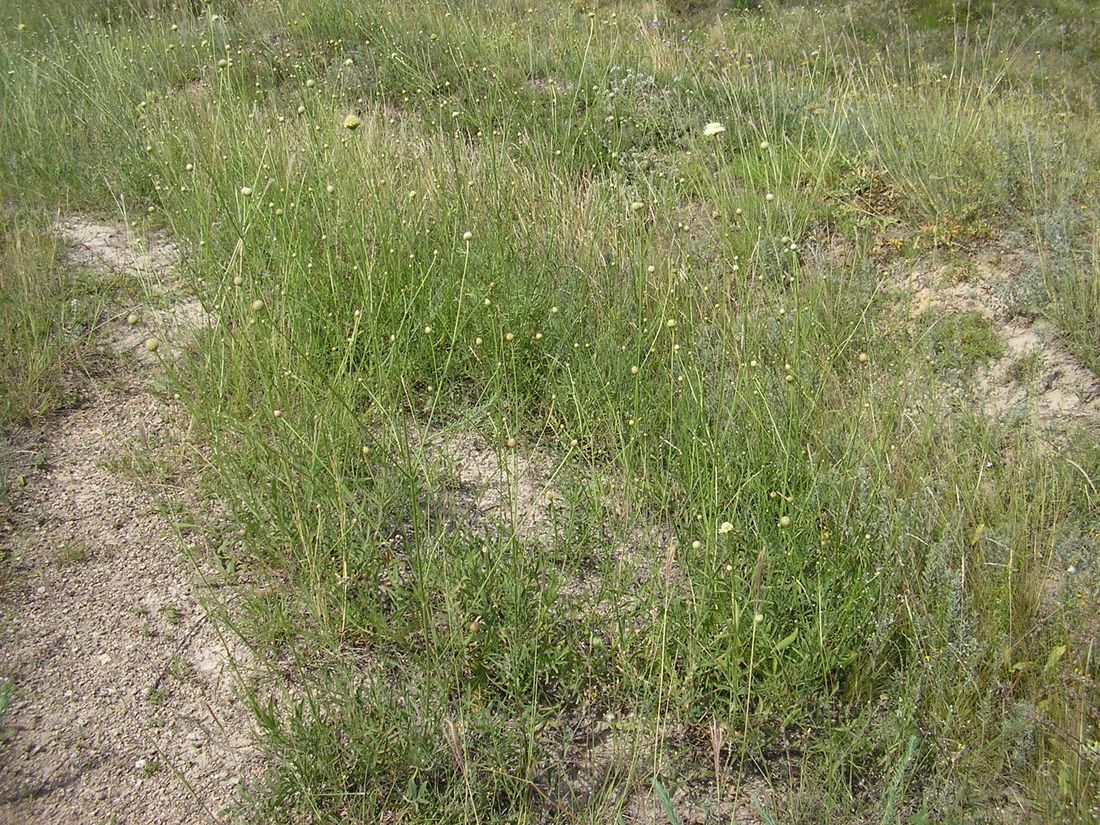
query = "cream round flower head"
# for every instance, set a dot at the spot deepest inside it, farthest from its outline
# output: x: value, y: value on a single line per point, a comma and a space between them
x: 352, y: 122
x: 725, y: 527
x: 246, y: 190
x: 713, y: 128
x: 467, y: 235
x: 257, y: 305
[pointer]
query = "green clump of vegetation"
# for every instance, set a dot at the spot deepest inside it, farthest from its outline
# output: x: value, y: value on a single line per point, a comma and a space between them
x: 966, y: 340
x: 580, y: 460
x: 35, y: 310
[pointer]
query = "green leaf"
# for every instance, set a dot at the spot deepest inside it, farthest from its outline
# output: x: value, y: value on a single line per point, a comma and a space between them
x: 1052, y: 660
x: 666, y: 802
x: 787, y: 641
x: 764, y: 815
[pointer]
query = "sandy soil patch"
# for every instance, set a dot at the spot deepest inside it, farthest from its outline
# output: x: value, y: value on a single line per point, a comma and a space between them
x: 1036, y: 376
x: 124, y: 700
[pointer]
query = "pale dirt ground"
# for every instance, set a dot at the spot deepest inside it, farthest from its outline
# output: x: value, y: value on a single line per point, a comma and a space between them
x: 124, y: 703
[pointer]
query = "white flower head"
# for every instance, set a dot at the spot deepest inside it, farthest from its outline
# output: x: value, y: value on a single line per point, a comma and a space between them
x: 713, y: 128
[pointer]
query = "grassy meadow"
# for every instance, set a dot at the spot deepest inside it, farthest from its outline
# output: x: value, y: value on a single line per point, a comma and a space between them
x: 759, y: 549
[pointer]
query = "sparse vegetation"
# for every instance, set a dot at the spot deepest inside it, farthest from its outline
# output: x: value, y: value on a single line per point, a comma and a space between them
x: 157, y: 695
x: 583, y: 461
x: 72, y: 553
x: 179, y: 668
x: 1073, y: 285
x: 5, y: 698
